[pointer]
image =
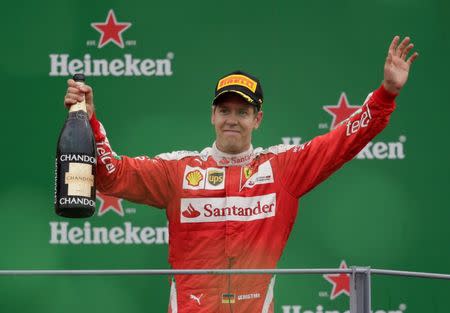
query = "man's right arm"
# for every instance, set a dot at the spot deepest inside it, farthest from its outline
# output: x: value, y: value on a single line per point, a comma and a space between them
x: 141, y: 179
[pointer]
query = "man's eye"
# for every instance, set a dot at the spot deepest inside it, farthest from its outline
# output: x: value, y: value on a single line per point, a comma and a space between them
x: 243, y: 113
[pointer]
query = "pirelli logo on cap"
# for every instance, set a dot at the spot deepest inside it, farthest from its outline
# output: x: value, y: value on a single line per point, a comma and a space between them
x: 240, y: 80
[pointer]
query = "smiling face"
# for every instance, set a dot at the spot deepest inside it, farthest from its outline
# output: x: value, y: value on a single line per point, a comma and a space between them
x: 234, y: 120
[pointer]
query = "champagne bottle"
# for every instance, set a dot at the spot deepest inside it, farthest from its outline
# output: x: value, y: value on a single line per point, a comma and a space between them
x: 75, y: 164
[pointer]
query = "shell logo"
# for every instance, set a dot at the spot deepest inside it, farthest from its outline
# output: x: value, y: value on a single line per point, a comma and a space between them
x: 194, y: 178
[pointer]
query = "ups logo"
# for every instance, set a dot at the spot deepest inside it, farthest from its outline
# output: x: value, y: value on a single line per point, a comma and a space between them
x: 215, y: 177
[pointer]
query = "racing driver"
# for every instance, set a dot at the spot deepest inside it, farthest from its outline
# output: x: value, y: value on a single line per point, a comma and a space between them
x: 232, y: 206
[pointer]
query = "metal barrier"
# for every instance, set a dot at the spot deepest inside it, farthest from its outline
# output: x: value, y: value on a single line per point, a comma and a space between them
x: 360, y: 292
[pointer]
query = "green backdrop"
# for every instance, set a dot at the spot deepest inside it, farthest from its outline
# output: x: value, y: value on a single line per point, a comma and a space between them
x: 385, y: 209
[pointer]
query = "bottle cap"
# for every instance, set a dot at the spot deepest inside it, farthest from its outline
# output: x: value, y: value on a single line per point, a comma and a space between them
x: 79, y: 78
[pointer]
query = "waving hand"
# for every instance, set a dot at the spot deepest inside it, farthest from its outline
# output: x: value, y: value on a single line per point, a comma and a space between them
x: 396, y: 68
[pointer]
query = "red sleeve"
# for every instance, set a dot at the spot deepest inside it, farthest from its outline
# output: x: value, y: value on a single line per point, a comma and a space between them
x: 141, y: 179
x: 307, y: 165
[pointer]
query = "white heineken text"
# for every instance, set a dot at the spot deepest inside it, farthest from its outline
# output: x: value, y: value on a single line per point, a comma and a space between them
x: 63, y: 233
x: 60, y: 65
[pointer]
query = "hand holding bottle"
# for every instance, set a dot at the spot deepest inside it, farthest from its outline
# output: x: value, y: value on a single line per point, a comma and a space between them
x: 77, y: 92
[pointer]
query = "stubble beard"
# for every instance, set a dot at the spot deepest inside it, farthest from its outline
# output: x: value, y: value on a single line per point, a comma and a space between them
x: 232, y: 145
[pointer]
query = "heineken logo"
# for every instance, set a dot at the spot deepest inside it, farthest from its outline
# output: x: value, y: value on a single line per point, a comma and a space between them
x: 111, y: 36
x: 111, y: 30
x: 374, y: 150
x: 340, y: 285
x: 340, y: 282
x: 126, y: 65
x: 109, y: 203
x: 341, y: 111
x: 64, y: 233
x: 383, y: 150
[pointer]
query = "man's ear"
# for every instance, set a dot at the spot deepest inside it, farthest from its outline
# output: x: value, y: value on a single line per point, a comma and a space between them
x: 213, y: 108
x: 259, y: 117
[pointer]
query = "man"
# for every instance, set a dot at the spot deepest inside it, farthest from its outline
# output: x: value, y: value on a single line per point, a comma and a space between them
x: 232, y: 206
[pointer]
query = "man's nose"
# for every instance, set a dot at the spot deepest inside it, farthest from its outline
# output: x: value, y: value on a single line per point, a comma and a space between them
x: 232, y: 119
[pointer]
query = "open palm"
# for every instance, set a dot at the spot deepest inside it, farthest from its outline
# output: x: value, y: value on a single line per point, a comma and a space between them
x: 396, y: 68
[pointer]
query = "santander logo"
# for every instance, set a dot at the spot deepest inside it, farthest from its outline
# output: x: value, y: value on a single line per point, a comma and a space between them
x: 203, y: 210
x: 190, y: 212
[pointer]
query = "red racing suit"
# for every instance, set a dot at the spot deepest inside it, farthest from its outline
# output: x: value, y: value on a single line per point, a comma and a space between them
x: 233, y: 211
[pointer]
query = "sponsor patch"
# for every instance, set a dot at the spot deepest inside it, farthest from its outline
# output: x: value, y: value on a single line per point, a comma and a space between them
x: 215, y: 178
x: 264, y: 175
x: 228, y: 298
x: 244, y: 209
x: 247, y: 172
x: 362, y: 122
x: 249, y: 296
x: 197, y: 299
x: 194, y: 178
x: 240, y: 80
x: 190, y: 212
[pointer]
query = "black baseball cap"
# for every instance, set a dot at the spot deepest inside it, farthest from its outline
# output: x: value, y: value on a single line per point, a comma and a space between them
x: 245, y: 85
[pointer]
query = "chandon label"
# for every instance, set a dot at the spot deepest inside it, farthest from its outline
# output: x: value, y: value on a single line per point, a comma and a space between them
x: 79, y: 179
x: 77, y: 158
x: 79, y: 201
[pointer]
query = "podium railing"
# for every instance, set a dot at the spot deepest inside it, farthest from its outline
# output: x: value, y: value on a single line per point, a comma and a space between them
x: 360, y: 277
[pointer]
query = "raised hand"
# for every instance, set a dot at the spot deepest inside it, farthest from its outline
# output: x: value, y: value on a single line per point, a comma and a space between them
x: 76, y: 93
x: 396, y: 68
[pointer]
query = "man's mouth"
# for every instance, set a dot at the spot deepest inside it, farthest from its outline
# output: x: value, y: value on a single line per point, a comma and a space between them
x: 231, y: 131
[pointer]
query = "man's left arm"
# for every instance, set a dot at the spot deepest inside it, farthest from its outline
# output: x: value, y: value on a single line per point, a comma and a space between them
x: 309, y: 164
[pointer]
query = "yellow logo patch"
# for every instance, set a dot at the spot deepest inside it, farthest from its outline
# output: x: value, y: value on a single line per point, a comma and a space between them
x: 194, y: 178
x: 240, y: 80
x: 215, y: 177
x: 248, y: 172
x: 228, y: 298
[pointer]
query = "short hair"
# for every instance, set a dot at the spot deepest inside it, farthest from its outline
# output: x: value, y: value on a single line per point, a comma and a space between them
x: 256, y: 107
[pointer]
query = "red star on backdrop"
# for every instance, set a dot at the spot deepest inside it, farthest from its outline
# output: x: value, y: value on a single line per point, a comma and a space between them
x: 111, y: 30
x: 108, y: 203
x: 341, y: 282
x: 341, y: 110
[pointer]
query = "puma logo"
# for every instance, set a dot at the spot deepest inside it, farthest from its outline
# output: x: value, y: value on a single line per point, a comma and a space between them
x: 193, y: 297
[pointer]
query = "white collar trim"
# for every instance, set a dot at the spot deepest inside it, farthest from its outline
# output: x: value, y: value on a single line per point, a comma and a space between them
x: 227, y: 159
